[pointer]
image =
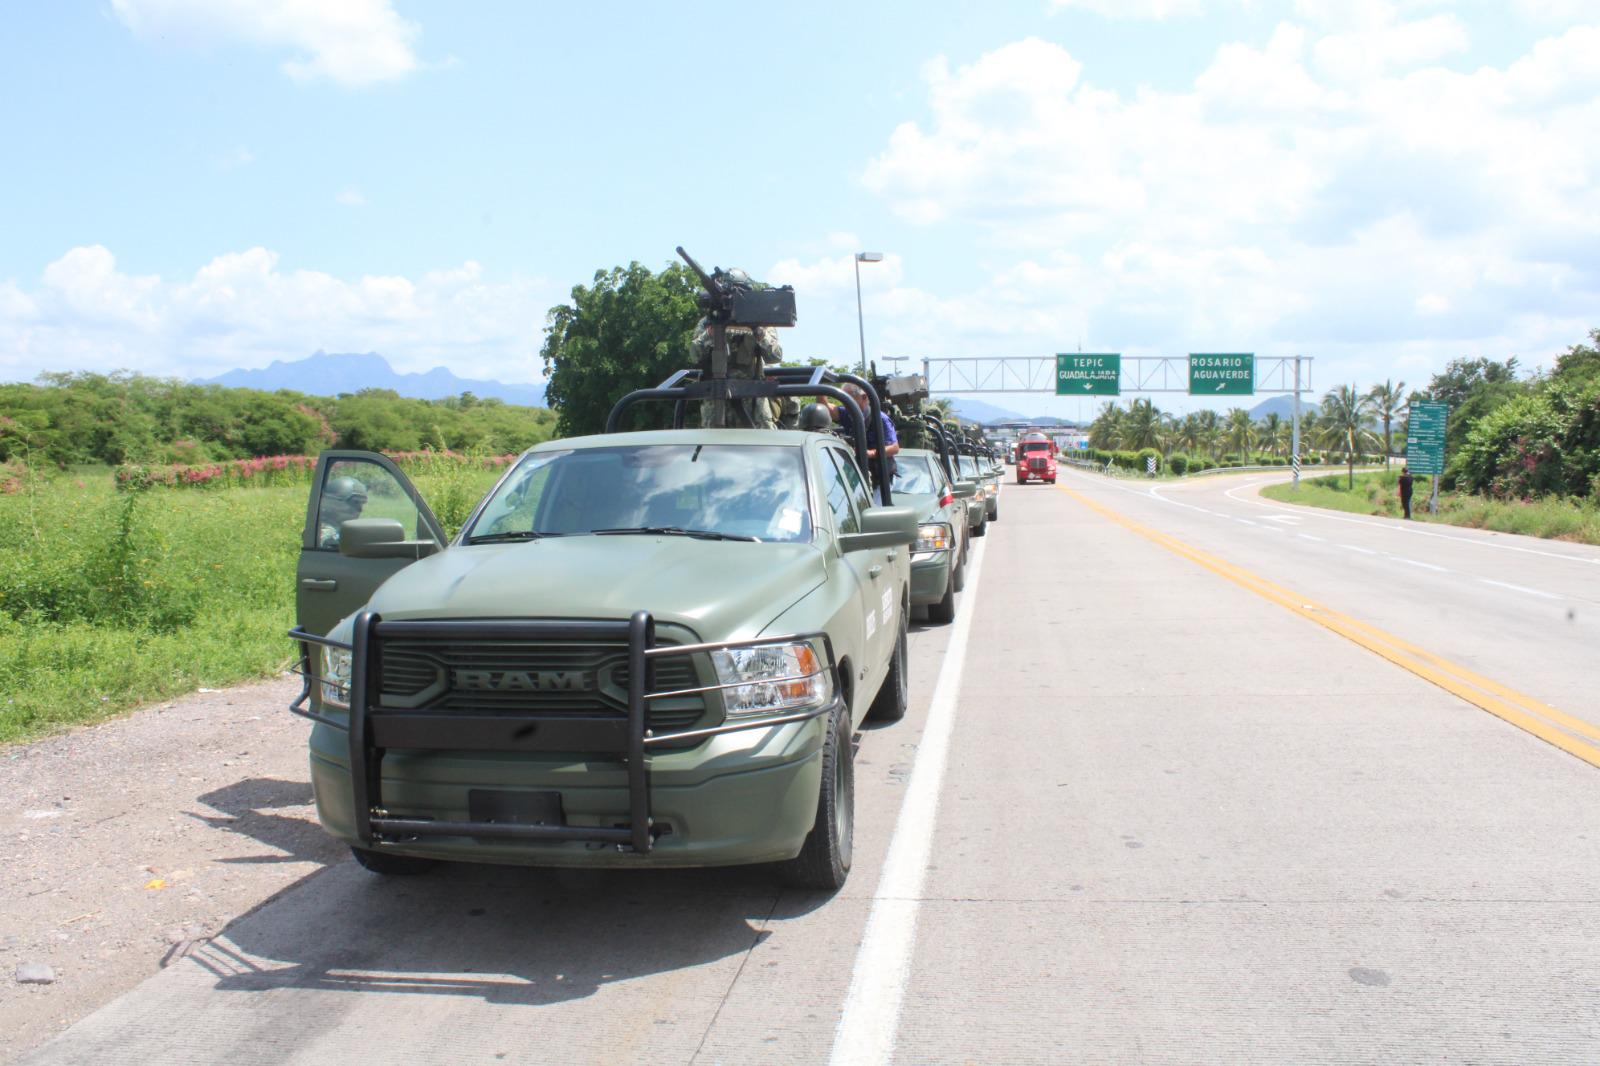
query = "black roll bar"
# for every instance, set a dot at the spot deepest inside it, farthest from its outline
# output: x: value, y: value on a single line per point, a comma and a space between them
x: 779, y: 382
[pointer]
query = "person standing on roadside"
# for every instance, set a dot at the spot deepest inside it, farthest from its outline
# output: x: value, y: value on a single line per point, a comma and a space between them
x: 1405, y: 490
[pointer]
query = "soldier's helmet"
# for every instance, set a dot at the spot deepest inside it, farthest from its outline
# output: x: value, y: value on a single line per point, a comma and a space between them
x: 737, y: 276
x: 815, y: 418
x: 348, y: 491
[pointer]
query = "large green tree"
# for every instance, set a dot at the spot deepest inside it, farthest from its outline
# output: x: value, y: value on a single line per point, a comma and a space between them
x: 629, y: 329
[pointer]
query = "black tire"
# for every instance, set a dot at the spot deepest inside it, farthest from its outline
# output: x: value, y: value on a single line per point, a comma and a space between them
x: 824, y: 859
x: 1049, y: 481
x: 391, y: 865
x: 944, y: 612
x: 890, y: 703
x: 983, y: 528
x: 1022, y: 481
x: 958, y: 577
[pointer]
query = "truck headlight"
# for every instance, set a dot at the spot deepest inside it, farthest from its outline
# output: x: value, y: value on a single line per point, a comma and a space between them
x: 335, y: 677
x: 772, y: 678
x: 933, y: 537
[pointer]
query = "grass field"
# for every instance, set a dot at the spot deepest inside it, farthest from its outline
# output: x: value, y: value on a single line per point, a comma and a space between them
x: 1376, y: 494
x: 109, y: 599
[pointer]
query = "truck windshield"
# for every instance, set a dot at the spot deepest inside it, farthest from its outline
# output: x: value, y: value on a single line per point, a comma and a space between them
x: 739, y: 492
x: 913, y: 476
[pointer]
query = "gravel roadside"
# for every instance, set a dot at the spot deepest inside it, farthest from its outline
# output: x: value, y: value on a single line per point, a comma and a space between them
x: 128, y: 842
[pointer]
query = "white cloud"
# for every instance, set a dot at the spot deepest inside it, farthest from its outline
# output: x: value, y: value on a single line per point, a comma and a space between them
x: 350, y: 196
x: 242, y: 309
x: 351, y: 42
x: 1333, y: 189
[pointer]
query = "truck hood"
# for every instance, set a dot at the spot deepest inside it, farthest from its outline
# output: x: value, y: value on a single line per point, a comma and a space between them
x: 924, y: 503
x: 721, y: 590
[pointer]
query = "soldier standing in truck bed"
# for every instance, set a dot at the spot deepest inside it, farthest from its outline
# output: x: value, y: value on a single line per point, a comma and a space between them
x: 751, y: 349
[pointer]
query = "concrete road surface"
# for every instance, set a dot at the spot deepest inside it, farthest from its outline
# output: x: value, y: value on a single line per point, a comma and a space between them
x: 1168, y: 793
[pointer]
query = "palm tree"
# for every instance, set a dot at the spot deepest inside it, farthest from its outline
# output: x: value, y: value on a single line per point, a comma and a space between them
x: 1210, y: 431
x: 1106, y: 428
x: 1273, y: 434
x: 1240, y: 432
x: 944, y: 407
x: 1189, y: 433
x: 1344, y: 422
x: 1169, y: 435
x: 1137, y: 428
x: 1388, y: 401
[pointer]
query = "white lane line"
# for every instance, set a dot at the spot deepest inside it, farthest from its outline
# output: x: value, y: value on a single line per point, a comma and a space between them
x: 1308, y: 536
x: 1413, y: 562
x: 1355, y: 548
x: 1288, y: 520
x: 1244, y: 521
x: 1518, y: 588
x: 867, y: 1028
x: 1395, y: 525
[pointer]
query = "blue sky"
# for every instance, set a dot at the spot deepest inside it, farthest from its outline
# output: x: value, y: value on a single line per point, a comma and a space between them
x: 1382, y: 184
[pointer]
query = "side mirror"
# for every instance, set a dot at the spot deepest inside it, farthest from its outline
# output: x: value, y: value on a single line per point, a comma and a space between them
x: 380, y: 538
x: 882, y: 527
x: 966, y: 489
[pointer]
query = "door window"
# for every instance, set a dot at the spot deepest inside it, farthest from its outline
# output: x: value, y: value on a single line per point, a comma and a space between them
x: 852, y: 476
x: 845, y: 518
x: 357, y: 488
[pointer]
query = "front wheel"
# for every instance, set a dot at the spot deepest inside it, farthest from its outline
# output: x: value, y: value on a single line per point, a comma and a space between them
x: 983, y: 529
x: 890, y: 703
x: 824, y: 859
x: 1049, y: 481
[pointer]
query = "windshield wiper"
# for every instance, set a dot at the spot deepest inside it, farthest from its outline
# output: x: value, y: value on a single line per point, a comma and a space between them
x: 675, y: 531
x: 510, y: 534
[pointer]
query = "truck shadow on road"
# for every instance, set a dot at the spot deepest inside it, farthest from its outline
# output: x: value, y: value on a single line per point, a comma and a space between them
x: 504, y: 935
x: 259, y: 808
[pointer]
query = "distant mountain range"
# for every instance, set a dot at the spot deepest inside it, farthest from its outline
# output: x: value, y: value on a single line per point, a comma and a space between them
x: 332, y: 373
x: 1283, y: 407
x: 988, y: 414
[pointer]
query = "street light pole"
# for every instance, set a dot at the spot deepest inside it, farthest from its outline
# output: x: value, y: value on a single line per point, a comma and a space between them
x: 861, y: 325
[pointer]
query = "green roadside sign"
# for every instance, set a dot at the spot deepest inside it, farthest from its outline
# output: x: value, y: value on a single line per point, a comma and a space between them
x: 1222, y: 374
x: 1425, y: 436
x: 1088, y: 373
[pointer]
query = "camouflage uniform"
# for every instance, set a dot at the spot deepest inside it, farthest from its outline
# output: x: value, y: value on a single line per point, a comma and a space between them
x: 750, y: 350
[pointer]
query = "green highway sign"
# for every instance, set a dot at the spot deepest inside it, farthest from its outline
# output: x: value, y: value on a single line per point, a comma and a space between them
x: 1425, y: 436
x: 1088, y: 373
x: 1222, y: 374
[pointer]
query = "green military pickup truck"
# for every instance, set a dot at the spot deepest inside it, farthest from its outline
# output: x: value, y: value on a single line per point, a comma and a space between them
x: 643, y: 649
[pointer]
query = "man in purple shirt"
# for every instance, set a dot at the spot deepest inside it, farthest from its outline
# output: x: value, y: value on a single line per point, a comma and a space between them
x: 880, y: 436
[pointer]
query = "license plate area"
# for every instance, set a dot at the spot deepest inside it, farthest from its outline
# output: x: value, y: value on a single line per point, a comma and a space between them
x: 515, y: 808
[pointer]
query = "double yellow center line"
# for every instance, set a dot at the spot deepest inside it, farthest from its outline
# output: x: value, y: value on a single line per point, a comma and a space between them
x: 1522, y: 711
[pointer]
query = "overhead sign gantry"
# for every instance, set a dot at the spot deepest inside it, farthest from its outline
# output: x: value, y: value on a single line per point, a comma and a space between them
x: 1112, y: 374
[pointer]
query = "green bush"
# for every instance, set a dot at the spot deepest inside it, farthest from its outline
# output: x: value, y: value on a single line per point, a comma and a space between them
x: 1178, y: 464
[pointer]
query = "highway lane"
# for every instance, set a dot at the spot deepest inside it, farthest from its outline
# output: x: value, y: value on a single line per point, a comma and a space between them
x: 1182, y: 823
x: 1523, y: 611
x: 1174, y: 821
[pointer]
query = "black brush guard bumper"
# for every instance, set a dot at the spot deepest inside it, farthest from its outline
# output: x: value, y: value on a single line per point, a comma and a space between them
x: 374, y: 729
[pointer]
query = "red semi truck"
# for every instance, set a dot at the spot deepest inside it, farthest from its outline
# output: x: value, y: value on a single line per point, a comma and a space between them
x: 1036, y: 459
